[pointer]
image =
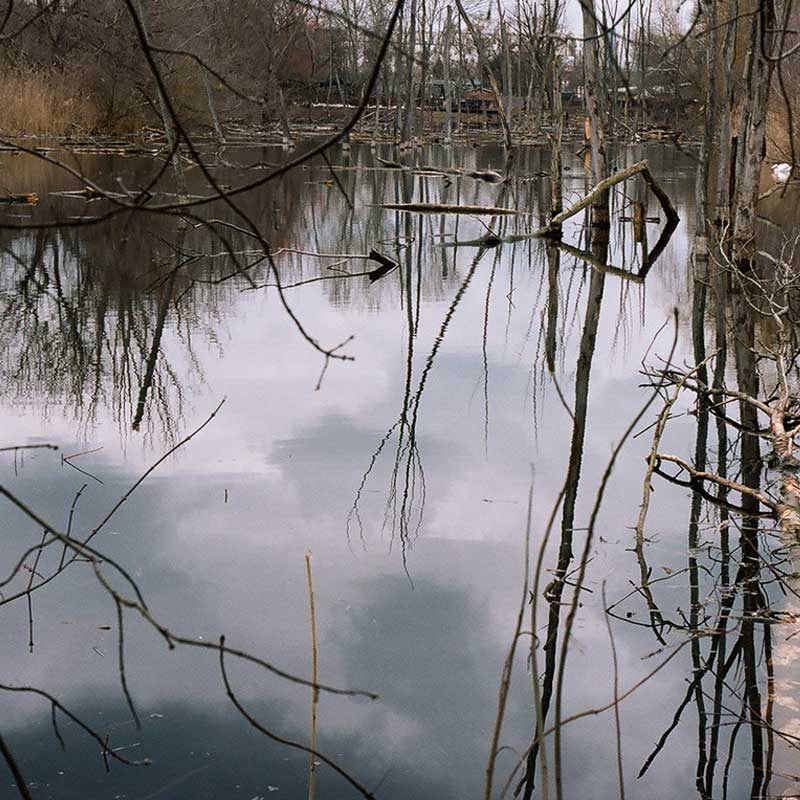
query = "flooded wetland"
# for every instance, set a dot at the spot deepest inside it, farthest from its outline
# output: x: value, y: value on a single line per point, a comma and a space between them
x: 474, y: 482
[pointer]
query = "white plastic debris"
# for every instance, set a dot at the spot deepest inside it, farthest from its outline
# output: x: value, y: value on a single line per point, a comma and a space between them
x: 781, y: 172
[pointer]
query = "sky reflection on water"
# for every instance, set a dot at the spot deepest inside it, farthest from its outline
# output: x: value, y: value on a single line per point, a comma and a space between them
x: 416, y: 599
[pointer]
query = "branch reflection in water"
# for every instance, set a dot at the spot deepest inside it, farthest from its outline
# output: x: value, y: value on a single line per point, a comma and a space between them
x: 136, y: 351
x: 735, y: 617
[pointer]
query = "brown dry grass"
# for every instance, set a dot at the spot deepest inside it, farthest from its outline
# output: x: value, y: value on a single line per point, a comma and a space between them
x: 36, y: 103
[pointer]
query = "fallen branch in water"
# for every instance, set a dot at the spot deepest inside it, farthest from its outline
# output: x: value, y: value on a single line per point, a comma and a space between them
x: 30, y: 199
x: 492, y: 240
x: 386, y: 266
x: 640, y: 167
x: 486, y: 175
x: 595, y: 263
x: 765, y: 299
x: 554, y: 226
x: 28, y: 447
x: 445, y: 208
x: 89, y: 194
x: 787, y: 510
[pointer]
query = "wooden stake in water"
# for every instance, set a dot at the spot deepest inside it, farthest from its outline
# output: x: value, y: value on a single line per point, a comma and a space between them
x: 314, y: 691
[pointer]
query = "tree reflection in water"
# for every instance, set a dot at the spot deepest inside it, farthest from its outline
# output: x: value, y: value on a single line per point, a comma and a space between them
x: 735, y: 593
x: 109, y: 318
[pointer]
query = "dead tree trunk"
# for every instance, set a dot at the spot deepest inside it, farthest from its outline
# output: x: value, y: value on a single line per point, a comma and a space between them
x: 594, y: 110
x: 163, y: 106
x: 212, y: 109
x: 756, y: 103
x: 507, y: 78
x: 556, y: 196
x: 408, y: 116
x: 501, y: 110
x: 448, y: 101
x: 709, y: 9
x: 724, y: 168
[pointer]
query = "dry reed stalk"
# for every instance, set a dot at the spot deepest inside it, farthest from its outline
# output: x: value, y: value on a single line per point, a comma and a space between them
x: 314, y: 672
x: 34, y: 102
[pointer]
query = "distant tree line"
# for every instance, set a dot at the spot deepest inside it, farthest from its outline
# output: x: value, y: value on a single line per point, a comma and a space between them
x: 78, y: 65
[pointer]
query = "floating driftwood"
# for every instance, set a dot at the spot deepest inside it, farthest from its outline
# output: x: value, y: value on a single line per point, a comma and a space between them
x: 490, y: 239
x: 89, y: 194
x: 30, y: 199
x: 486, y: 175
x: 106, y: 146
x: 444, y: 208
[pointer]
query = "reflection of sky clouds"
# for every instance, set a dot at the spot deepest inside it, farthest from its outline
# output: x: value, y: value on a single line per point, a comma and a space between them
x: 291, y: 460
x: 433, y: 653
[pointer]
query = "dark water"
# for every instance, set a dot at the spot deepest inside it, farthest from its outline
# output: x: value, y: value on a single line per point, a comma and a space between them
x: 406, y: 474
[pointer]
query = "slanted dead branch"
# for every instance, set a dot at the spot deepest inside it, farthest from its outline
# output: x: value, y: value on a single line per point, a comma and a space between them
x: 639, y: 168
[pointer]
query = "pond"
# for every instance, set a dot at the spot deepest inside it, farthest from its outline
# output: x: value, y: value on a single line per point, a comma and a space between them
x: 475, y: 375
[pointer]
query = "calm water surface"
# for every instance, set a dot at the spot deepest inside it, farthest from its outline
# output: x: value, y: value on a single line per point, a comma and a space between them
x: 405, y: 473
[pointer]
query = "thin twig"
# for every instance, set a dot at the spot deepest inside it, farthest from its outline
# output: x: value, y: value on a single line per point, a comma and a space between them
x: 280, y: 739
